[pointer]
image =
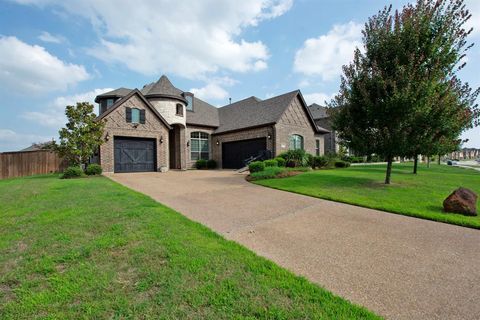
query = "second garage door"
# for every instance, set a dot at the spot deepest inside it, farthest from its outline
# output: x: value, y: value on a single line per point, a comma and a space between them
x: 134, y: 154
x: 234, y: 153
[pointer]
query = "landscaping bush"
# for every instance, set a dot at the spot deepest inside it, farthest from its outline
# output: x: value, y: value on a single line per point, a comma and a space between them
x: 93, y: 169
x: 271, y: 163
x: 280, y: 161
x: 211, y: 164
x: 297, y: 158
x: 342, y: 164
x: 72, y: 172
x: 320, y: 162
x: 256, y: 166
x: 201, y: 164
x: 268, y: 173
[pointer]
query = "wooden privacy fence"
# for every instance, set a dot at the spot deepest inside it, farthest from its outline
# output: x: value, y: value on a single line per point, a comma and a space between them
x: 27, y: 163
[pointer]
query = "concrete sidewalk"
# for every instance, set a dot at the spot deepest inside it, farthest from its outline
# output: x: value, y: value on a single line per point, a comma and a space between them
x: 397, y: 266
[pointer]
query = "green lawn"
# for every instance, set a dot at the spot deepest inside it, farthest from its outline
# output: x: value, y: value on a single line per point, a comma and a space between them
x: 419, y: 195
x: 90, y: 248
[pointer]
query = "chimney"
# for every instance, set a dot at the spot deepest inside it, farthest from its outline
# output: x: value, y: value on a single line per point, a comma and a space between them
x: 230, y: 99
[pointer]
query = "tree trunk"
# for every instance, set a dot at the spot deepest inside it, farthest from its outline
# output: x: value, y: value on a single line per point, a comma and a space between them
x: 415, y: 164
x: 389, y: 169
x: 438, y: 159
x: 428, y: 161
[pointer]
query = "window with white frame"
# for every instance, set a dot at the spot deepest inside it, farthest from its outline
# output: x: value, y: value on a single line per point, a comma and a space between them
x: 296, y: 142
x: 199, y: 146
x: 317, y: 147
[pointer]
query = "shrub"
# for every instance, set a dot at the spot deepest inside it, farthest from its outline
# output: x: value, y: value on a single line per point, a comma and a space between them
x: 297, y: 158
x: 271, y: 163
x: 72, y: 172
x: 342, y: 164
x: 201, y: 164
x: 268, y: 173
x: 280, y: 161
x: 320, y: 162
x: 211, y: 164
x: 256, y: 166
x: 93, y: 169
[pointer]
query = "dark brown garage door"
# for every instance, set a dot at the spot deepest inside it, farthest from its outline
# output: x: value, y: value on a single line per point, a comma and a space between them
x: 134, y: 154
x: 234, y: 153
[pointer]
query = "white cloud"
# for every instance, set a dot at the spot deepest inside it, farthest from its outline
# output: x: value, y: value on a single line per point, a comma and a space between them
x: 318, y: 98
x: 210, y: 91
x: 31, y: 69
x: 325, y: 55
x: 186, y: 38
x: 12, y: 141
x: 53, y: 115
x: 47, y: 37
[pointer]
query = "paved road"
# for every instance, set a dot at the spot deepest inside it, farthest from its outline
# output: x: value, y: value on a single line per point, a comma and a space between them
x: 399, y: 267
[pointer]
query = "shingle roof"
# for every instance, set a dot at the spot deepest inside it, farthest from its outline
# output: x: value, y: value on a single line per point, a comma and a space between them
x: 252, y: 112
x: 163, y: 88
x: 318, y: 112
x: 117, y: 93
x: 246, y: 113
x: 203, y: 114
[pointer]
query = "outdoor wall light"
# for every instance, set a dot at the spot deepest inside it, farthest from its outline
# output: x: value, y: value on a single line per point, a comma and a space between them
x: 161, y: 139
x: 269, y: 137
x: 107, y: 137
x: 188, y: 143
x: 217, y: 143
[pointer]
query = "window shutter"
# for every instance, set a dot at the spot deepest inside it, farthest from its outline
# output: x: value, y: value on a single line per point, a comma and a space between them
x: 142, y: 116
x: 128, y: 114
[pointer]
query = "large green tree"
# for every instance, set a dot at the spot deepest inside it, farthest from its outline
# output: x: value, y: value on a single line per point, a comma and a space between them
x: 396, y: 94
x: 82, y: 134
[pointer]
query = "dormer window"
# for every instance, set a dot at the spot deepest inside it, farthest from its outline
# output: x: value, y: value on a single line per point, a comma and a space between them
x: 189, y: 98
x: 179, y: 110
x: 110, y: 102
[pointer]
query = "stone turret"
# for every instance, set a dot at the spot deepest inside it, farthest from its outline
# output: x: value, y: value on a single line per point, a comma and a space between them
x: 169, y: 101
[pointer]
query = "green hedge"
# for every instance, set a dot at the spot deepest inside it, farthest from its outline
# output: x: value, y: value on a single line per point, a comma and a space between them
x: 72, y: 172
x: 93, y: 169
x: 256, y: 166
x: 271, y: 163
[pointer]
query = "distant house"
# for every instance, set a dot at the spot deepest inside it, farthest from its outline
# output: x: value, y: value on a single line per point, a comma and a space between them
x: 323, y: 119
x: 161, y: 127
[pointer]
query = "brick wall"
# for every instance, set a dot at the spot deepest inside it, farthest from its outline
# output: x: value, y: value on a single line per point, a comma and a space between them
x: 295, y: 121
x: 116, y: 125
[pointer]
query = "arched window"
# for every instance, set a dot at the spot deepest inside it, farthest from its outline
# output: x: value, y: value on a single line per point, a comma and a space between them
x: 296, y: 142
x: 179, y: 110
x: 199, y: 146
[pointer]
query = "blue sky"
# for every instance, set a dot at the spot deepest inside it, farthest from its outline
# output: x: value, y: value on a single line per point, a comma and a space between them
x: 54, y: 53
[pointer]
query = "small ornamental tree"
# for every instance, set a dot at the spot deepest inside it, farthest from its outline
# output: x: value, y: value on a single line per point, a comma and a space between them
x: 82, y: 134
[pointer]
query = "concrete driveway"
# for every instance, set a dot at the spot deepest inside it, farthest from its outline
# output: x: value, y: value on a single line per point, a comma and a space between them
x: 396, y: 266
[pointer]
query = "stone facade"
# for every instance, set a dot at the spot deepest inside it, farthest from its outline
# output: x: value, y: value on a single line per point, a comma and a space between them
x: 116, y: 126
x: 295, y: 121
x: 168, y: 109
x: 246, y: 134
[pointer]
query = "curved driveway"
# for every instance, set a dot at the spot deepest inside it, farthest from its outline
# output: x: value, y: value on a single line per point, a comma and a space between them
x: 397, y: 266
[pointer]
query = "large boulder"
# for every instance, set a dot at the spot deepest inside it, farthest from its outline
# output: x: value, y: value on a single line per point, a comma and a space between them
x: 463, y: 201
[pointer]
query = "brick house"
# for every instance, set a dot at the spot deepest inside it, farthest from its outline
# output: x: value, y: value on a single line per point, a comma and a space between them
x: 161, y: 127
x: 323, y: 119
